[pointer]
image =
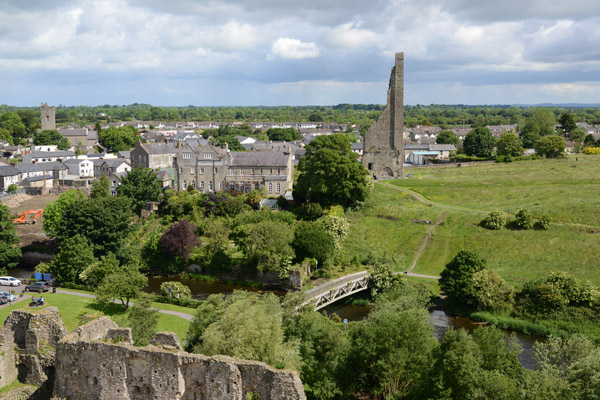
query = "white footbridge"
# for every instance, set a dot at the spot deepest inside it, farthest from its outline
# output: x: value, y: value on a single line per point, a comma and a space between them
x: 332, y: 291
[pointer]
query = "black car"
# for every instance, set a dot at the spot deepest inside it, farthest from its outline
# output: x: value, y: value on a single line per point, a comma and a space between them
x: 37, y: 287
x: 3, y: 299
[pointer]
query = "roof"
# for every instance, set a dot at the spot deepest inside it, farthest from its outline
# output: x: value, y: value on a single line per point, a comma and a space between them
x: 8, y: 170
x: 442, y: 147
x: 76, y: 161
x: 115, y: 162
x: 38, y: 178
x: 52, y: 166
x: 358, y: 146
x: 58, y: 153
x: 124, y: 154
x: 78, y: 132
x: 416, y: 146
x: 425, y: 153
x: 158, y: 148
x: 28, y: 167
x: 258, y: 159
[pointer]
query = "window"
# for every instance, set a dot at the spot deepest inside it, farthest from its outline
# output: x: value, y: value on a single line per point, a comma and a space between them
x: 278, y: 188
x: 271, y: 171
x: 270, y: 187
x: 187, y: 156
x: 216, y: 170
x: 192, y: 170
x: 201, y: 184
x: 210, y: 186
x: 201, y: 171
x: 231, y: 171
x: 181, y: 170
x: 220, y: 185
x: 241, y: 171
x: 278, y: 171
x: 194, y: 184
x: 184, y: 186
x: 232, y: 185
x: 261, y: 171
x: 208, y: 156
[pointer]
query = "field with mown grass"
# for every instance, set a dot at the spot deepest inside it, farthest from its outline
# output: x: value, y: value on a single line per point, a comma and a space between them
x: 72, y: 308
x: 566, y: 190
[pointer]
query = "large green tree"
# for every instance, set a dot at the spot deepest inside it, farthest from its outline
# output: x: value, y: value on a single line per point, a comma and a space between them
x: 331, y: 174
x: 74, y: 256
x: 479, y: 142
x: 118, y: 139
x: 245, y: 325
x: 51, y: 137
x: 12, y: 122
x: 457, y: 277
x: 10, y: 253
x: 126, y: 284
x: 567, y: 124
x: 509, y: 144
x: 311, y: 240
x: 551, y: 146
x: 539, y: 123
x: 141, y: 185
x: 266, y: 244
x: 54, y: 212
x: 143, y: 320
x: 447, y: 137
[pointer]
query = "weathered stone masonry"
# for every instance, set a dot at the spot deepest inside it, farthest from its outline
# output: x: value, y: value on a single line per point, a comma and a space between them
x: 384, y: 141
x: 98, y: 361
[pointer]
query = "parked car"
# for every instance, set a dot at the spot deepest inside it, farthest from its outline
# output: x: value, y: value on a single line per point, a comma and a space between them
x: 37, y: 287
x: 10, y: 297
x: 3, y: 300
x: 9, y: 281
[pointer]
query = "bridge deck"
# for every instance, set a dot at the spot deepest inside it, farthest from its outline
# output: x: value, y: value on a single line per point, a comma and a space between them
x: 331, y: 291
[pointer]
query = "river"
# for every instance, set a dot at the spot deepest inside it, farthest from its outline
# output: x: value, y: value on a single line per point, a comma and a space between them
x: 440, y: 319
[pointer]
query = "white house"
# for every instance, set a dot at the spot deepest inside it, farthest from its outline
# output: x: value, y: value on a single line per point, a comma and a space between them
x: 8, y: 175
x: 80, y: 168
x: 118, y: 165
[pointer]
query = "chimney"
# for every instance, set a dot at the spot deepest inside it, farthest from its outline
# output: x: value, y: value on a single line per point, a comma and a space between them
x: 226, y: 147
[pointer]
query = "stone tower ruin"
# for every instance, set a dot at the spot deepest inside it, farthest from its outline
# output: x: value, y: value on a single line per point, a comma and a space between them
x: 384, y: 141
x: 48, y: 120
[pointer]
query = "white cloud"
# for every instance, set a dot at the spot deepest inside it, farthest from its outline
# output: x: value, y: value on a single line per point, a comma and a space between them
x: 350, y: 36
x: 292, y: 49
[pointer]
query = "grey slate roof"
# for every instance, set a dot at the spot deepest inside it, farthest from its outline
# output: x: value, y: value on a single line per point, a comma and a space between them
x: 77, y: 132
x: 258, y: 159
x: 75, y: 161
x: 8, y: 170
x: 358, y: 146
x: 124, y: 154
x: 38, y: 178
x: 159, y: 148
x: 115, y: 162
x: 58, y: 153
x: 28, y: 167
x: 442, y: 147
x: 52, y: 166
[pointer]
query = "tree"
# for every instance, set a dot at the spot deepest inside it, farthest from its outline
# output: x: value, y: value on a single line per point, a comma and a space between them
x: 143, y: 320
x: 577, y: 135
x: 124, y: 285
x: 457, y: 277
x: 245, y: 325
x: 12, y: 123
x: 179, y: 241
x: 567, y: 124
x: 104, y: 221
x: 524, y: 219
x: 5, y: 135
x: 312, y: 241
x: 51, y: 137
x: 266, y: 244
x: 141, y: 185
x: 509, y: 145
x: 539, y: 123
x: 100, y: 188
x: 54, y: 212
x: 383, y: 279
x: 447, y: 137
x: 94, y: 273
x: 491, y: 292
x: 551, y: 146
x: 495, y: 220
x: 118, y: 139
x: 74, y: 256
x: 283, y: 134
x: 479, y: 142
x: 10, y: 253
x: 331, y: 174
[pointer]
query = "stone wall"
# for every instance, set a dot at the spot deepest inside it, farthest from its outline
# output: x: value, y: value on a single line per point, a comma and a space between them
x: 116, y: 370
x: 8, y: 367
x: 383, y: 153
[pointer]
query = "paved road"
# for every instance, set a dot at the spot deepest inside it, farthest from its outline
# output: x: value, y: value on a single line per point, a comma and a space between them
x: 18, y: 290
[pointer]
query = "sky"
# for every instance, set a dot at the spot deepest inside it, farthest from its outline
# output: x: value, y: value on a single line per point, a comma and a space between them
x: 297, y: 52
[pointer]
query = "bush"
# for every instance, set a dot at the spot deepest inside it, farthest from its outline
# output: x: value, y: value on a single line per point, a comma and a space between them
x: 544, y: 223
x: 457, y: 277
x: 494, y: 220
x: 524, y: 219
x: 591, y: 150
x: 178, y: 291
x: 12, y: 188
x: 491, y: 292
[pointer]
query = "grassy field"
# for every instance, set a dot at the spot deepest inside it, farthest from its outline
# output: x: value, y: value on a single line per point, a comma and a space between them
x: 72, y: 308
x: 567, y: 190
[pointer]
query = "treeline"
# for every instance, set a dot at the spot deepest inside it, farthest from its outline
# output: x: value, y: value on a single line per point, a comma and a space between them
x: 361, y: 114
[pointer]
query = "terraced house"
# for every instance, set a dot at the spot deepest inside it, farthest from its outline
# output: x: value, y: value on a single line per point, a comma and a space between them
x: 210, y: 168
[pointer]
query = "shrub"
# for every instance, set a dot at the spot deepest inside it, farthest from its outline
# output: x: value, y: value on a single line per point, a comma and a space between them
x: 494, y: 220
x: 591, y: 150
x: 544, y: 223
x: 457, y: 277
x: 178, y: 291
x: 524, y: 219
x: 491, y: 291
x: 12, y: 188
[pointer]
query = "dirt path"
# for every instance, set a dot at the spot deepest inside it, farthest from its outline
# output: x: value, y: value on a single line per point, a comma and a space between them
x: 429, y: 236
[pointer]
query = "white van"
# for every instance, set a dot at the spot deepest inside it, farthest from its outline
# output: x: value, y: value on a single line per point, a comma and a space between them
x: 9, y: 281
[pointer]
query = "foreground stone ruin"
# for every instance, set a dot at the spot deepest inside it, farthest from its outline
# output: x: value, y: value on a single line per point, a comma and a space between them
x: 99, y: 361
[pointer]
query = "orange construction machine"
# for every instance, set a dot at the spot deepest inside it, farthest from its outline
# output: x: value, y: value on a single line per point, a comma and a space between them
x: 22, y: 219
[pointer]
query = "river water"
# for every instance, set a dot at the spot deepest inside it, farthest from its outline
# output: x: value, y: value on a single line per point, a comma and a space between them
x: 440, y: 319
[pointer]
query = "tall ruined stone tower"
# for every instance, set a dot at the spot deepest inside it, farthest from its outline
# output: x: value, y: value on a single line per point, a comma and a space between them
x: 383, y: 153
x: 48, y: 121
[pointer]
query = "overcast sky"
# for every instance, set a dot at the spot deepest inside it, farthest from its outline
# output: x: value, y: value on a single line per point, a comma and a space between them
x: 297, y: 52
